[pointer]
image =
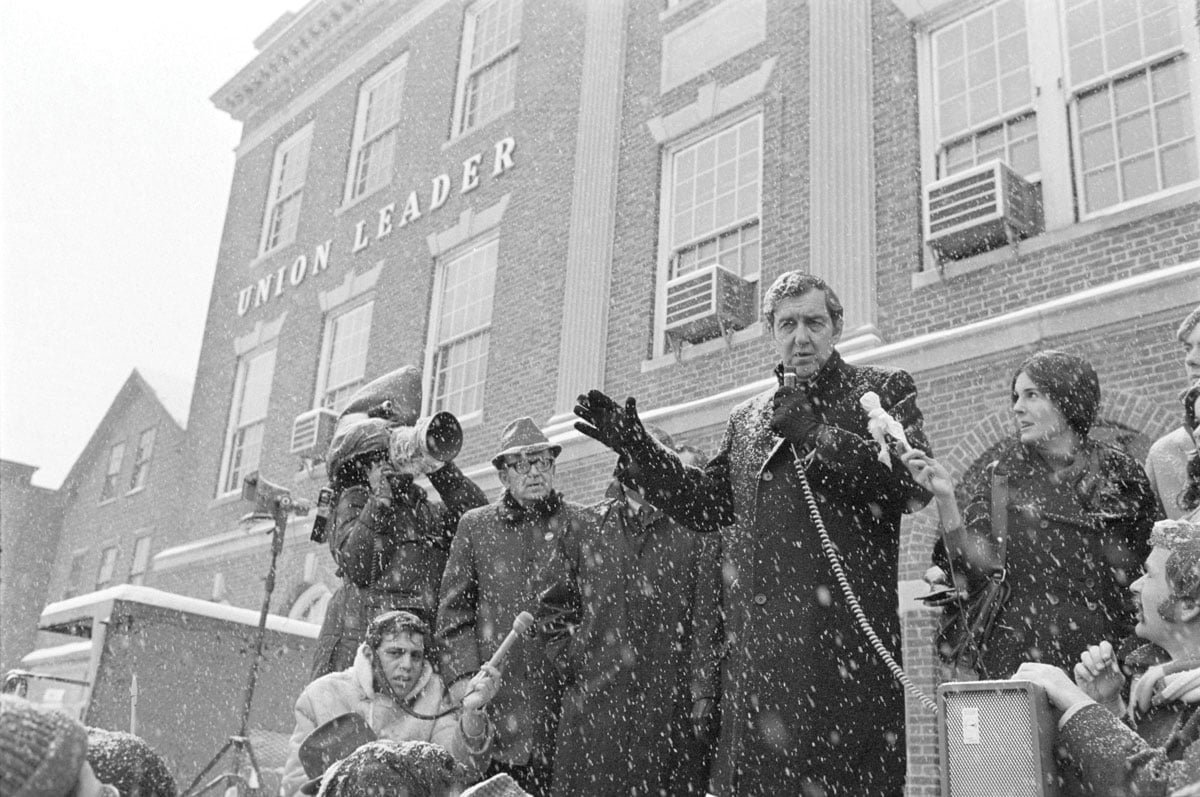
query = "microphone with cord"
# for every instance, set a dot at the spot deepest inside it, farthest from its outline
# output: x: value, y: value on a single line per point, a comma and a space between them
x: 522, y: 623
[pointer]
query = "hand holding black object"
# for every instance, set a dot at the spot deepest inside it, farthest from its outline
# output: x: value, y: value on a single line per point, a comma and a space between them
x: 794, y: 418
x: 603, y: 419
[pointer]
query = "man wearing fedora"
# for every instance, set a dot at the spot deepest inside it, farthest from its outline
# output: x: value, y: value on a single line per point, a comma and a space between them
x: 500, y: 560
x: 392, y: 687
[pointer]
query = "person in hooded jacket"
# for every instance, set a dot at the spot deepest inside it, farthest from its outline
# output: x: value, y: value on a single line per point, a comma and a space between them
x: 389, y: 541
x: 1078, y: 515
x: 393, y: 687
x: 634, y: 623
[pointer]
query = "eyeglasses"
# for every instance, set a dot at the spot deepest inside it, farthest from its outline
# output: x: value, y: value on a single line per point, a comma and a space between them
x: 522, y: 465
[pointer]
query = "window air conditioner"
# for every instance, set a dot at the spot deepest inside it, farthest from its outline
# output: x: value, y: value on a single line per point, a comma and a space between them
x: 708, y: 303
x: 312, y: 432
x: 982, y: 208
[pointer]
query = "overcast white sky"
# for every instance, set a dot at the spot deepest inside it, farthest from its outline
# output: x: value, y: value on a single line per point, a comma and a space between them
x: 114, y: 175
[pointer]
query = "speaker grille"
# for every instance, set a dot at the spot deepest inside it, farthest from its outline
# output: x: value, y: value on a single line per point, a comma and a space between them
x: 993, y: 755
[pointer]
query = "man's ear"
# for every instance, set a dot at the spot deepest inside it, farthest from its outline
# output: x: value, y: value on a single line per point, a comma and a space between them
x: 1188, y: 611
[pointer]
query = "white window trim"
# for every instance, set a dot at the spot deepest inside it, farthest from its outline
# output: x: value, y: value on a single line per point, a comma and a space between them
x: 465, y: 70
x: 288, y: 145
x: 1053, y: 106
x: 109, y: 472
x: 235, y: 407
x: 435, y: 313
x: 136, y: 577
x: 360, y: 124
x: 327, y: 343
x: 137, y: 489
x: 659, y: 348
x: 104, y: 562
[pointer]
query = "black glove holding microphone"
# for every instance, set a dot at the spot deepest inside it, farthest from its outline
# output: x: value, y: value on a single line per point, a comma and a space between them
x: 794, y: 418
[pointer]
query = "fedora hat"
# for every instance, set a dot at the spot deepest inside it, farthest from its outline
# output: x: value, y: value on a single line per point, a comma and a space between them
x: 329, y: 743
x: 522, y: 436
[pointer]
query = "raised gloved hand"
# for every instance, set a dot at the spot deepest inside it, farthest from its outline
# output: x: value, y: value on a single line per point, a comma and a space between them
x: 794, y: 418
x: 617, y: 427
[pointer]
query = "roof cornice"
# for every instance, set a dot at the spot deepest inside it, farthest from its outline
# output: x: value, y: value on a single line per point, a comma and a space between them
x: 306, y: 37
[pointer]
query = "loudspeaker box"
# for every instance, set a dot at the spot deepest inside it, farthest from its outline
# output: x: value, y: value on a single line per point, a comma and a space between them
x: 996, y: 740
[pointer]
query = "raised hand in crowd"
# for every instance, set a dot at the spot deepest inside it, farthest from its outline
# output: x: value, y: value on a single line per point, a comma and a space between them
x: 1100, y: 677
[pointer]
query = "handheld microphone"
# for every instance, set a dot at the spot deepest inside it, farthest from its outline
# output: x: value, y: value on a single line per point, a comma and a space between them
x: 790, y: 379
x: 523, y: 622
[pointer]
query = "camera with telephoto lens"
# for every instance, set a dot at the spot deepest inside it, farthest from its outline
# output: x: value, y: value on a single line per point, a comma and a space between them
x: 427, y: 445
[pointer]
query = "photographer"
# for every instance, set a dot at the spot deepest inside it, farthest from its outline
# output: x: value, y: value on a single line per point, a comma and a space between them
x: 389, y: 541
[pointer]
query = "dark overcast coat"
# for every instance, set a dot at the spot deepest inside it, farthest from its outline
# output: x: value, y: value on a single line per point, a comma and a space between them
x: 639, y: 606
x: 806, y: 701
x: 499, y: 563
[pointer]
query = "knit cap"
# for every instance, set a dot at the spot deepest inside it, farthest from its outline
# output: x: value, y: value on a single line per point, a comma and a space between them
x: 41, y: 751
x: 1068, y: 381
x: 127, y: 762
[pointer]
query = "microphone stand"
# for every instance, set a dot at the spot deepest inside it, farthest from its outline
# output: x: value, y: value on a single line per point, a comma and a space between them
x: 281, y: 507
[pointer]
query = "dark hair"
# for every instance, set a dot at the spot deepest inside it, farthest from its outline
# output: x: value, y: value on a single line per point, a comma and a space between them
x: 797, y: 283
x: 1189, y: 497
x: 397, y: 621
x: 1068, y: 381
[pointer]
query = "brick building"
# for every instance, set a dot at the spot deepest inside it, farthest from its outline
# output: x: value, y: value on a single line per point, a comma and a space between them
x: 529, y: 198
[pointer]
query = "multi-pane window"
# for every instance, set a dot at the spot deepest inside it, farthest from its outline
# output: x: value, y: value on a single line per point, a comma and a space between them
x: 74, y: 575
x: 141, y: 560
x: 462, y: 330
x: 112, y: 475
x: 715, y: 186
x: 376, y: 127
x: 983, y: 95
x: 286, y: 189
x: 108, y: 563
x: 1132, y: 99
x: 344, y: 355
x: 247, y: 418
x: 491, y: 33
x: 141, y: 459
x: 1090, y: 99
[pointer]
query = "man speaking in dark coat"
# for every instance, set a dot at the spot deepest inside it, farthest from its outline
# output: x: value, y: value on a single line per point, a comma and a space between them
x: 807, y: 706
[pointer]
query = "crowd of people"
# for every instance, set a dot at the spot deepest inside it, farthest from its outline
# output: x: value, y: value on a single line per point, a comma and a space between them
x: 689, y: 634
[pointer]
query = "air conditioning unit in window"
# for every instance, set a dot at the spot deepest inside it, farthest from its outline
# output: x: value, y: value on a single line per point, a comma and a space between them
x: 982, y: 208
x: 706, y: 304
x: 311, y: 433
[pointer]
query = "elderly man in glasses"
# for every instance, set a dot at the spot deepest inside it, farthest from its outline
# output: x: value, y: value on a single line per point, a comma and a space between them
x: 502, y: 557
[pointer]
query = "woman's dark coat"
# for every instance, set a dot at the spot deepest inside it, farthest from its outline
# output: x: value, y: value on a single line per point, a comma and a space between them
x: 1076, y: 539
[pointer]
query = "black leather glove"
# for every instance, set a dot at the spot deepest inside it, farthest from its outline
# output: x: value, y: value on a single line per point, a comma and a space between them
x: 603, y: 419
x: 794, y: 418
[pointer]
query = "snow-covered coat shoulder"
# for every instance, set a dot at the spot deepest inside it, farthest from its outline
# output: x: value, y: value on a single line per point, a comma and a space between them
x: 352, y: 690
